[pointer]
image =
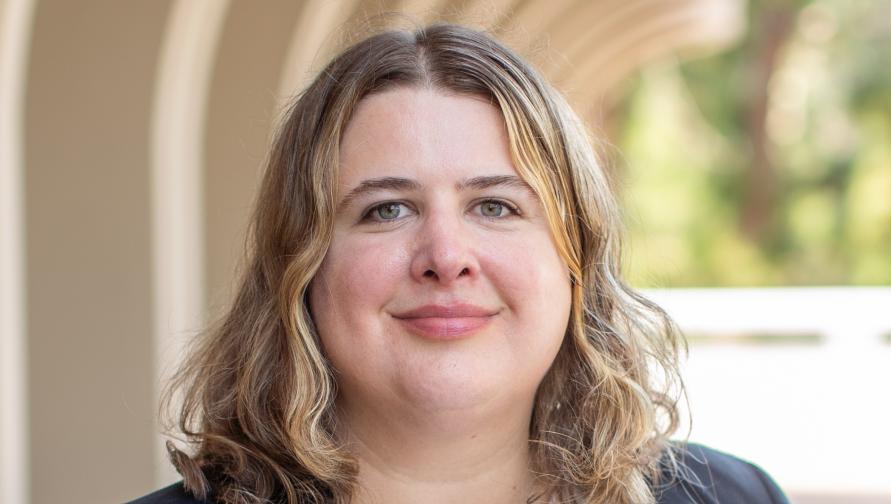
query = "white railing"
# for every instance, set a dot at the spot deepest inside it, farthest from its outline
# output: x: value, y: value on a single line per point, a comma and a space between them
x: 842, y: 316
x: 814, y: 411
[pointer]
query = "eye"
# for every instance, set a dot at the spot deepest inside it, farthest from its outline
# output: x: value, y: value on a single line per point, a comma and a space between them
x: 496, y: 209
x: 388, y: 211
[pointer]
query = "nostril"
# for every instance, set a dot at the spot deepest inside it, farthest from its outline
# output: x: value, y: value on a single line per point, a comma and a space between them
x: 433, y: 274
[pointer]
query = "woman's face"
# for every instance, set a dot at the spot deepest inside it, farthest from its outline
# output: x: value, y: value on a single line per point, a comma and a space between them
x: 442, y: 288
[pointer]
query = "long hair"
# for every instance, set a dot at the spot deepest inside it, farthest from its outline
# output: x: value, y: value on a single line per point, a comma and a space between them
x: 255, y: 396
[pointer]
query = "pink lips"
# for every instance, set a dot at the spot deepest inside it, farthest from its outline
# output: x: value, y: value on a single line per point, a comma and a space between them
x: 446, y: 322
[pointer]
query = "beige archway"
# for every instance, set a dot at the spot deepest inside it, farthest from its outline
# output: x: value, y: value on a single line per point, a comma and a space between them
x: 131, y: 140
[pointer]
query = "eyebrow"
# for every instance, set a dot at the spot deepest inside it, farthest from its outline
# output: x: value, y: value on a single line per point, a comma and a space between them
x: 403, y: 184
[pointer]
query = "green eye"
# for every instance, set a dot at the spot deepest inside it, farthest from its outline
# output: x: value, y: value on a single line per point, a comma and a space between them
x: 387, y: 211
x: 491, y: 208
x: 498, y: 209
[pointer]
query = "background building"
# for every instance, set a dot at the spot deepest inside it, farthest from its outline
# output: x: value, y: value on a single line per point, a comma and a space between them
x: 752, y: 139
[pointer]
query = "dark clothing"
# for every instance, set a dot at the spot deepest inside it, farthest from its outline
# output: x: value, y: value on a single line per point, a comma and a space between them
x: 707, y: 477
x: 712, y: 477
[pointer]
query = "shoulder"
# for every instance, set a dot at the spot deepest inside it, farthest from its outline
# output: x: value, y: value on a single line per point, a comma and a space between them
x: 710, y: 476
x: 173, y: 494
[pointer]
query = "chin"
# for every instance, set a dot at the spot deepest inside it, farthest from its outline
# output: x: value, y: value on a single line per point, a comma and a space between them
x: 465, y: 386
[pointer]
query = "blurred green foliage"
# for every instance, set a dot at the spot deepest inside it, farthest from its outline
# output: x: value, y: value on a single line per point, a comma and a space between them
x: 808, y: 89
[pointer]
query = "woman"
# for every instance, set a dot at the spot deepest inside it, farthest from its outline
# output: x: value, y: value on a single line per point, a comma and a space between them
x: 433, y: 310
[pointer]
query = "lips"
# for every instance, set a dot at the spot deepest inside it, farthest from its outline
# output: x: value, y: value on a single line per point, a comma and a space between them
x: 446, y: 322
x: 458, y: 310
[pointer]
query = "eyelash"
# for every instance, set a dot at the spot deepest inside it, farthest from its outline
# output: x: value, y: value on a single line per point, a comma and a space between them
x: 514, y: 211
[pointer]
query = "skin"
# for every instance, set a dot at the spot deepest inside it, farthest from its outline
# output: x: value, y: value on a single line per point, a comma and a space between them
x: 433, y: 420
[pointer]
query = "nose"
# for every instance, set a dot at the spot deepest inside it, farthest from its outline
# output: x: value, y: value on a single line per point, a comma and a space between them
x: 444, y: 251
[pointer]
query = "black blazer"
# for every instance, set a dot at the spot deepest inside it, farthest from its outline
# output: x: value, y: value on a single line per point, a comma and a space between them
x: 709, y: 477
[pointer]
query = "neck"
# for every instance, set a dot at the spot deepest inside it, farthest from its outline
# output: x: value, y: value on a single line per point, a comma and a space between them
x: 455, y: 456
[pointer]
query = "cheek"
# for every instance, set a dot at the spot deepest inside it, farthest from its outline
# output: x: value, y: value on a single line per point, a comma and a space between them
x: 530, y: 274
x: 534, y: 283
x: 354, y: 282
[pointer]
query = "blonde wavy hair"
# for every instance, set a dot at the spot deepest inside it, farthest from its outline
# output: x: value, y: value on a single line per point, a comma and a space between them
x: 254, y: 399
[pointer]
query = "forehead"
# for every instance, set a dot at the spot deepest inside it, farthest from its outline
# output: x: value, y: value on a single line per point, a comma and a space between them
x: 424, y: 134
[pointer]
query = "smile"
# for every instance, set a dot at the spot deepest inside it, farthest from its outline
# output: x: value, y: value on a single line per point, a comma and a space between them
x: 445, y: 328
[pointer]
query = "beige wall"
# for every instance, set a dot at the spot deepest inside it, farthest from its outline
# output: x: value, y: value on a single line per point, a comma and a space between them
x: 243, y: 104
x: 89, y: 301
x: 131, y: 138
